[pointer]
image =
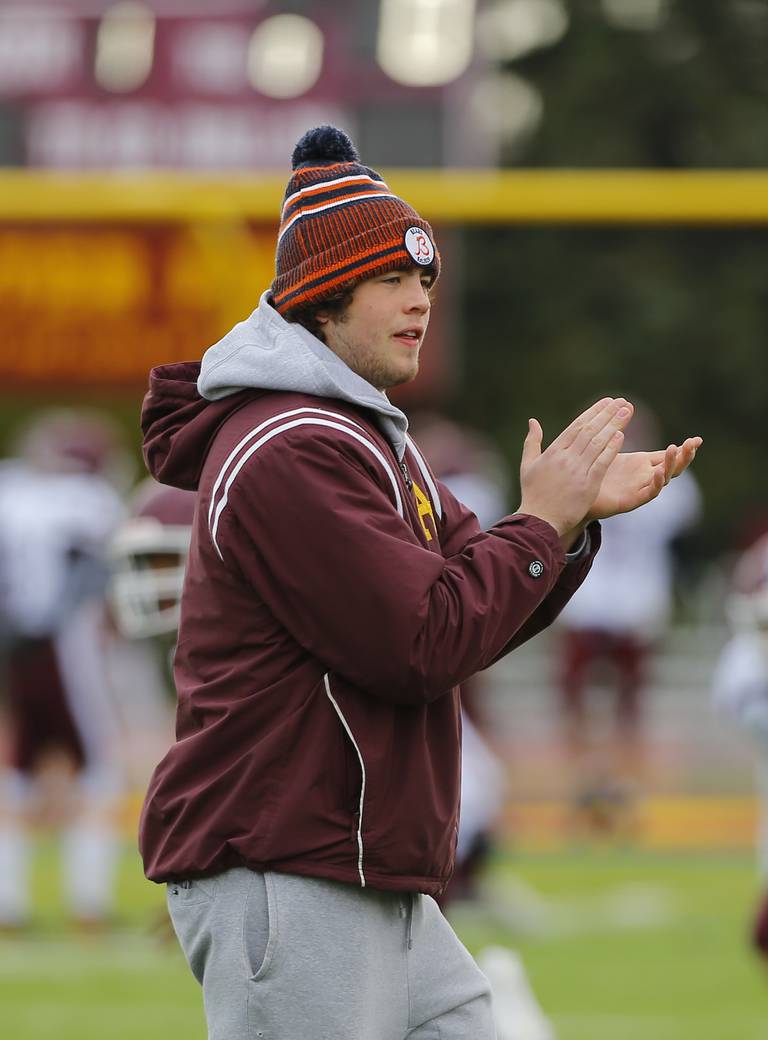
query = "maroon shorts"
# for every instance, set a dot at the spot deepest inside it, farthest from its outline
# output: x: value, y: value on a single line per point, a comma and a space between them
x: 40, y: 716
x: 587, y: 651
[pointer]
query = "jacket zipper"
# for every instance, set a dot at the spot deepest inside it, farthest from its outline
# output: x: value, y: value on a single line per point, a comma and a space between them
x: 406, y: 476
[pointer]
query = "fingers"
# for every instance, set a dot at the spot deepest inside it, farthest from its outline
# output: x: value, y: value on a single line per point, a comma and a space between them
x: 670, y: 460
x: 684, y: 455
x: 532, y: 443
x: 589, y: 439
x: 611, y: 448
x: 677, y: 458
x: 597, y: 434
x: 571, y: 432
x: 650, y: 490
x: 653, y: 488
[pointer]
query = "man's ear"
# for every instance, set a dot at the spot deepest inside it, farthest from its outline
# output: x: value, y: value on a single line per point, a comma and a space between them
x: 322, y: 317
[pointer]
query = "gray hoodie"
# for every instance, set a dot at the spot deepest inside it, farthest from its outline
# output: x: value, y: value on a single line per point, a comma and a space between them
x: 266, y: 352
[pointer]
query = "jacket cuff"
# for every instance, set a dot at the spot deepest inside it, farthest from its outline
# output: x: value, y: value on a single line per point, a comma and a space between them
x: 582, y: 549
x: 576, y: 570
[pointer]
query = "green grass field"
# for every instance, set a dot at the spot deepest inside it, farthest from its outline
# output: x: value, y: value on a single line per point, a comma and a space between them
x: 619, y: 945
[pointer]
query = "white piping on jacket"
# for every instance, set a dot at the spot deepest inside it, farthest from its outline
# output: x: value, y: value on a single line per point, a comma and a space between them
x: 351, y: 736
x: 253, y: 433
x: 289, y: 426
x: 431, y: 486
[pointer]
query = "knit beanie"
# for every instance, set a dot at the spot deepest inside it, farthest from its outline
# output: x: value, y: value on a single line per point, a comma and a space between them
x: 340, y: 224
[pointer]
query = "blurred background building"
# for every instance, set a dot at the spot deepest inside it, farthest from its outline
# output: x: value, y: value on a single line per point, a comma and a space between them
x: 232, y: 85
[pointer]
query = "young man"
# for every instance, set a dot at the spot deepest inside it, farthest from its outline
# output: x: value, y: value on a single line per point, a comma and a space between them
x: 335, y: 596
x: 609, y: 637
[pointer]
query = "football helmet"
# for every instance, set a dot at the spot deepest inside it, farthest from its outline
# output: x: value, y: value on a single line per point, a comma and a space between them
x: 148, y: 557
x: 74, y: 440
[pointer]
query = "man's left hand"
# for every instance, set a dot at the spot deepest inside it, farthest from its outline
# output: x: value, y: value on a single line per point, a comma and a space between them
x: 637, y: 477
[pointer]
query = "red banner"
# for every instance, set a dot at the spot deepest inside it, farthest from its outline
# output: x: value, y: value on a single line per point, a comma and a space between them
x: 89, y: 305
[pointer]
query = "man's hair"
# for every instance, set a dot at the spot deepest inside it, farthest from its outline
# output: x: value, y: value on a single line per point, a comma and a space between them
x: 334, y: 306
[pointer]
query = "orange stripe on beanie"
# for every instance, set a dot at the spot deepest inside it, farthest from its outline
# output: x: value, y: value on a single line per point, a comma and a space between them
x: 340, y: 223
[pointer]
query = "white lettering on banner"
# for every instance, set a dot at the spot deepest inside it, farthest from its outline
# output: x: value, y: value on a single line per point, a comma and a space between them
x: 105, y: 134
x: 211, y: 56
x: 39, y: 51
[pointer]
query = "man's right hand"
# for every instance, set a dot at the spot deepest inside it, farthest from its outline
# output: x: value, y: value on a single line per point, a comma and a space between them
x: 560, y: 484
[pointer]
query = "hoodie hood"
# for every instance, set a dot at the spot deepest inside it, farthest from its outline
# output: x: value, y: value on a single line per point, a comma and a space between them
x: 188, y: 402
x: 178, y: 424
x: 265, y: 352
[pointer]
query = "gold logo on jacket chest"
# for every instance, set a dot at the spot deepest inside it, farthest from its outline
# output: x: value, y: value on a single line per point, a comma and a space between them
x: 424, y: 507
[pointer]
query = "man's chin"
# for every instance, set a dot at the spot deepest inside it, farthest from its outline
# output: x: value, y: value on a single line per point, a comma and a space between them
x: 403, y: 376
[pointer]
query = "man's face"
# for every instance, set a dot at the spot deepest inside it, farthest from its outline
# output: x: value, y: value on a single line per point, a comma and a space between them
x: 379, y: 335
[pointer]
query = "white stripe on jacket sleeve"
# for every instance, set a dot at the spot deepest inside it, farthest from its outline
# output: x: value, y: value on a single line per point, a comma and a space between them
x: 290, y: 426
x: 255, y: 432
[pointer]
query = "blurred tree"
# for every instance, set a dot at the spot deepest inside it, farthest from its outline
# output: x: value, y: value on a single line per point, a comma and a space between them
x: 555, y: 317
x: 692, y: 91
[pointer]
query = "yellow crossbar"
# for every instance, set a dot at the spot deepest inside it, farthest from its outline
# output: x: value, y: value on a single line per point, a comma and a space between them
x: 443, y: 196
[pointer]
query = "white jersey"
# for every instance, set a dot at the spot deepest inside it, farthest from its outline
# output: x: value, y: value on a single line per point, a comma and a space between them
x: 629, y: 588
x: 740, y: 684
x: 54, y: 531
x: 740, y: 691
x: 479, y: 493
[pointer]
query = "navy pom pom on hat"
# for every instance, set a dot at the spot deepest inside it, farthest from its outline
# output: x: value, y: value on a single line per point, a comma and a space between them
x: 340, y: 224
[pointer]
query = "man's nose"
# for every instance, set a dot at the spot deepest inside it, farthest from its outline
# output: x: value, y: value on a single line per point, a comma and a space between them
x: 418, y: 298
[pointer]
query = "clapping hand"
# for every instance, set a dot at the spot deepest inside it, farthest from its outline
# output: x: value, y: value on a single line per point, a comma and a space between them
x: 638, y: 476
x: 581, y: 476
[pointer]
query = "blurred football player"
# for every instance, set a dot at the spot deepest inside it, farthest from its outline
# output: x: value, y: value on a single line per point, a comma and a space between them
x: 58, y: 511
x: 470, y: 467
x: 147, y: 556
x: 740, y: 690
x: 609, y: 632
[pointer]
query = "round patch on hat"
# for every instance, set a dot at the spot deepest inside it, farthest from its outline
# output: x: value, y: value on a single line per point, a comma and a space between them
x: 419, y: 246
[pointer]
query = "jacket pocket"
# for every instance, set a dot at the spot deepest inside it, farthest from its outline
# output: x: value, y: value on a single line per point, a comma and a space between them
x: 260, y: 925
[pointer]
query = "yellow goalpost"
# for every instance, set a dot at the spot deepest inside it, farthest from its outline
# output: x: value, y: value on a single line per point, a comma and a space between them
x: 446, y: 196
x: 161, y: 262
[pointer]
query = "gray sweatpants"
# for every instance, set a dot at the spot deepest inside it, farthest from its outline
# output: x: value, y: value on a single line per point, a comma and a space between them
x: 282, y: 957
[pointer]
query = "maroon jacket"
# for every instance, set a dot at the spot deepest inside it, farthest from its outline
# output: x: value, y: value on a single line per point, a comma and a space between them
x: 331, y: 607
